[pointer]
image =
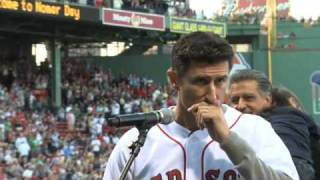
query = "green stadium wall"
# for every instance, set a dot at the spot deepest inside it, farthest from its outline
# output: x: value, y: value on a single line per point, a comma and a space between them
x: 295, y: 58
x: 293, y: 70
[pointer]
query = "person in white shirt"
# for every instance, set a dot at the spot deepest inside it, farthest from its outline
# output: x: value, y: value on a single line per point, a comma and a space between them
x: 22, y: 145
x: 127, y: 107
x: 95, y: 145
x: 70, y: 117
x: 207, y: 140
x: 115, y: 108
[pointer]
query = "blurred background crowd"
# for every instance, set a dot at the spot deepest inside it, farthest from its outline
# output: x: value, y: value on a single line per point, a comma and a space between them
x: 72, y: 142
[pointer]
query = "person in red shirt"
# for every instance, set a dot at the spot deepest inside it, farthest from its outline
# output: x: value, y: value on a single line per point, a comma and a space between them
x: 3, y: 174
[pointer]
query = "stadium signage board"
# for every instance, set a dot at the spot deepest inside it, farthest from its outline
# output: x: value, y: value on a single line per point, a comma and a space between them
x: 183, y: 25
x: 75, y: 13
x: 133, y: 19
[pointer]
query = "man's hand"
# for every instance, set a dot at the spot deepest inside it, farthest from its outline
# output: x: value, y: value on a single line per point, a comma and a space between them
x: 211, y: 116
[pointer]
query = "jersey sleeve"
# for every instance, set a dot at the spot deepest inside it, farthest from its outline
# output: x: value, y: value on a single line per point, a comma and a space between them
x: 271, y: 150
x: 262, y: 157
x: 119, y: 157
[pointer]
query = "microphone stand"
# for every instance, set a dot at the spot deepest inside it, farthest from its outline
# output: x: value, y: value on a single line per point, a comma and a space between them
x: 135, y: 149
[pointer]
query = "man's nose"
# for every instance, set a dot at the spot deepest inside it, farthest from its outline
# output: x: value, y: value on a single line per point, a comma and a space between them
x: 241, y: 105
x: 211, y: 93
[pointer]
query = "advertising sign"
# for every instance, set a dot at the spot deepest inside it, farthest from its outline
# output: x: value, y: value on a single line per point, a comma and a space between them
x: 182, y: 25
x: 133, y: 19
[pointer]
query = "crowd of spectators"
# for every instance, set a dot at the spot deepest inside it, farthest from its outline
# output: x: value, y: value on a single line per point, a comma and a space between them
x: 32, y: 143
x: 179, y: 8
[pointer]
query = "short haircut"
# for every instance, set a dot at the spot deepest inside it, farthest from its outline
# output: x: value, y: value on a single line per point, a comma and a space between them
x: 260, y: 78
x: 200, y: 47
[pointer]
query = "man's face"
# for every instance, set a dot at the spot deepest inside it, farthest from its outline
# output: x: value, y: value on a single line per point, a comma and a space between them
x: 202, y: 83
x: 246, y: 97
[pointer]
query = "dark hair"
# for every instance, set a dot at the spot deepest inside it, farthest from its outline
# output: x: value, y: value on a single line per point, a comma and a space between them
x: 281, y: 97
x: 260, y: 78
x: 200, y: 47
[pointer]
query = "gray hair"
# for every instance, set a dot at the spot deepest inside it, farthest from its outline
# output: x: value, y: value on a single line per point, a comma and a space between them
x: 260, y: 78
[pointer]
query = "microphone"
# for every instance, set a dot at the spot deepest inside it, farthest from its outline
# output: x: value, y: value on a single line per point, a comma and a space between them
x: 163, y: 116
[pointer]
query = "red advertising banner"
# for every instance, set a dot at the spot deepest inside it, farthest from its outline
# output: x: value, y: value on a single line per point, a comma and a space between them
x: 133, y: 19
x: 259, y: 6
